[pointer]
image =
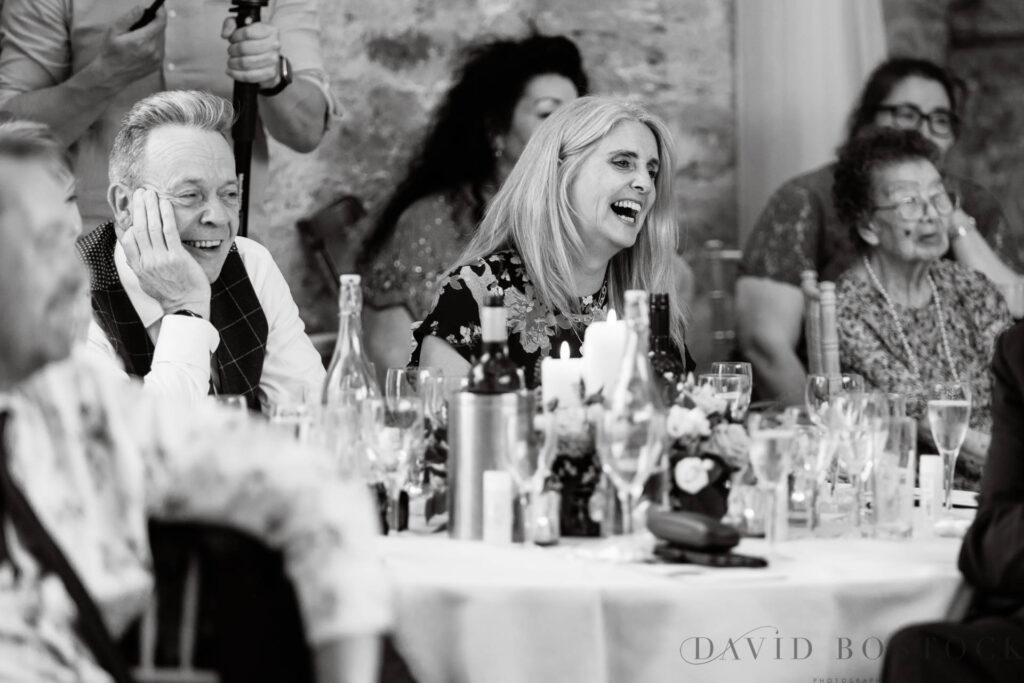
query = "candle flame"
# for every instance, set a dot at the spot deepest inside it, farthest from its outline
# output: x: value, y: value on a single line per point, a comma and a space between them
x: 612, y: 317
x: 563, y: 351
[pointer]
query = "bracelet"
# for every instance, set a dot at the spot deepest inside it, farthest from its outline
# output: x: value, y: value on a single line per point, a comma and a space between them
x: 186, y: 312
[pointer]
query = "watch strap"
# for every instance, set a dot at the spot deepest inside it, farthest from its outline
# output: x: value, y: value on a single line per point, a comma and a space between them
x: 186, y: 312
x: 284, y: 68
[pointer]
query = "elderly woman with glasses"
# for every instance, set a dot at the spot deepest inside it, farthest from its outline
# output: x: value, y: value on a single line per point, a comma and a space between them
x: 907, y: 316
x: 799, y: 228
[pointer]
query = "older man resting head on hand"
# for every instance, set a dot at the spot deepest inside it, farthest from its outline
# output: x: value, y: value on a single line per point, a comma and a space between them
x: 85, y: 459
x: 172, y: 284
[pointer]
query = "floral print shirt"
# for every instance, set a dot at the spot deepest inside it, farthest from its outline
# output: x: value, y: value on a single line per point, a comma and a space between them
x: 96, y: 457
x: 427, y: 240
x: 534, y: 329
x: 869, y: 344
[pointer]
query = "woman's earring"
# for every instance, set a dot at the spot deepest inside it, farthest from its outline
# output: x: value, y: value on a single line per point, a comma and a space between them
x: 499, y: 148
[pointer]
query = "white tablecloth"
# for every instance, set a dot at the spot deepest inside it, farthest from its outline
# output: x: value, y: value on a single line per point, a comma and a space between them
x: 472, y: 612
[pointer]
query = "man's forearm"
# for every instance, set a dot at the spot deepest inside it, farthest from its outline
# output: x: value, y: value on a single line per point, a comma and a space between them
x: 296, y: 116
x: 68, y: 108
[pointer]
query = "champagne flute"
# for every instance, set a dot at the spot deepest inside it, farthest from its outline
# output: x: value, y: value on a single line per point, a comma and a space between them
x: 771, y: 456
x: 746, y: 386
x: 949, y: 413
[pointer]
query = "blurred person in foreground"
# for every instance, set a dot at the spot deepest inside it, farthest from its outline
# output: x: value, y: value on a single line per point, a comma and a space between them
x: 907, y: 317
x: 586, y: 213
x: 502, y: 92
x: 178, y: 297
x: 987, y: 646
x: 90, y: 458
x: 800, y: 229
x: 76, y: 66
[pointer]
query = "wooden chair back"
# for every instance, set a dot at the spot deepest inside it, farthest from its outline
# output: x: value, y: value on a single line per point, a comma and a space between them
x: 821, y: 329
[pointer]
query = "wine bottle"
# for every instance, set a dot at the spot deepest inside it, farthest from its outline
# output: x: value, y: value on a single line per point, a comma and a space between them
x: 494, y: 372
x: 350, y: 379
x: 668, y: 366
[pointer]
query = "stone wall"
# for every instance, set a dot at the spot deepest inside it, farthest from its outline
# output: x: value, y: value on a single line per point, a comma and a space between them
x: 390, y: 60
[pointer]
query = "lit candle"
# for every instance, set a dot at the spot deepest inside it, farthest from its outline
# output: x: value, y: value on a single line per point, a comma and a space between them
x: 560, y: 379
x: 604, y: 344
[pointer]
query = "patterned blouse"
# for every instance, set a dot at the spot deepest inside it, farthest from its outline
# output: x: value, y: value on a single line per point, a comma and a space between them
x: 799, y: 230
x: 533, y: 328
x: 428, y: 238
x: 869, y: 343
x: 96, y: 457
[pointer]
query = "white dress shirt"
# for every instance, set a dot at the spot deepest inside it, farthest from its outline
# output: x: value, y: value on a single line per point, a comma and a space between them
x: 181, y: 369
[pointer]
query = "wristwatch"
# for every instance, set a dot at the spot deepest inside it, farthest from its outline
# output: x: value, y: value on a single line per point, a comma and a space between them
x: 284, y: 68
x: 186, y: 312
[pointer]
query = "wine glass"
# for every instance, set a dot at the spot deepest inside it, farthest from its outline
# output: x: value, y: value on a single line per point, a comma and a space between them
x: 820, y: 393
x: 949, y: 413
x: 728, y: 388
x: 405, y: 408
x: 524, y: 461
x: 828, y: 403
x: 290, y: 408
x: 744, y: 370
x: 771, y: 457
x: 629, y: 442
x: 868, y: 411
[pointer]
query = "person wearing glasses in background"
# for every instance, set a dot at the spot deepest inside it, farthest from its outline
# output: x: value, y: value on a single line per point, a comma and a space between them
x: 800, y: 228
x: 908, y: 317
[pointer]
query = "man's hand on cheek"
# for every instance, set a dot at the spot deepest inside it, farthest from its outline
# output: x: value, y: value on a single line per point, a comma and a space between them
x: 166, y: 271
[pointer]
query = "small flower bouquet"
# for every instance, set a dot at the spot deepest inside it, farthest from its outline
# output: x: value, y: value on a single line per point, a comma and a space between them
x: 704, y: 449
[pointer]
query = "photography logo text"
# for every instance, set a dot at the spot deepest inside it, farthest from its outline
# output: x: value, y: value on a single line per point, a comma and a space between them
x: 766, y: 643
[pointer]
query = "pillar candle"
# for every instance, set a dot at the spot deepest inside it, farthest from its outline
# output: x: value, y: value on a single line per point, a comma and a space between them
x: 604, y: 345
x: 560, y: 379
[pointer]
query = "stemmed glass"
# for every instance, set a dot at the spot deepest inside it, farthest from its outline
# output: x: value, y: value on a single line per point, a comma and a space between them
x: 746, y: 385
x: 728, y: 388
x: 629, y: 442
x: 771, y: 457
x: 406, y: 406
x: 829, y: 404
x: 527, y: 466
x: 869, y: 411
x: 949, y: 413
x: 394, y: 435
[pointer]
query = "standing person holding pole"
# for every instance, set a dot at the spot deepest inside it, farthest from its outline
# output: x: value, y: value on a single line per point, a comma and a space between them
x: 79, y: 66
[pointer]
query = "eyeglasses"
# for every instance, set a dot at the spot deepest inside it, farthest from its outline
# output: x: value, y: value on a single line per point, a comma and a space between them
x: 912, y: 208
x: 941, y: 122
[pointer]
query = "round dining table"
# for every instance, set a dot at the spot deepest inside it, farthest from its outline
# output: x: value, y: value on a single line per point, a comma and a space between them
x: 822, y: 611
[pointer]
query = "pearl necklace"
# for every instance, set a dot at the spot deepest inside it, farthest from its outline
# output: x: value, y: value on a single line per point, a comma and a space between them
x: 899, y: 326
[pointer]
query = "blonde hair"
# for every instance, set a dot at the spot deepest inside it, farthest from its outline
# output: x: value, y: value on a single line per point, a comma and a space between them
x: 533, y: 213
